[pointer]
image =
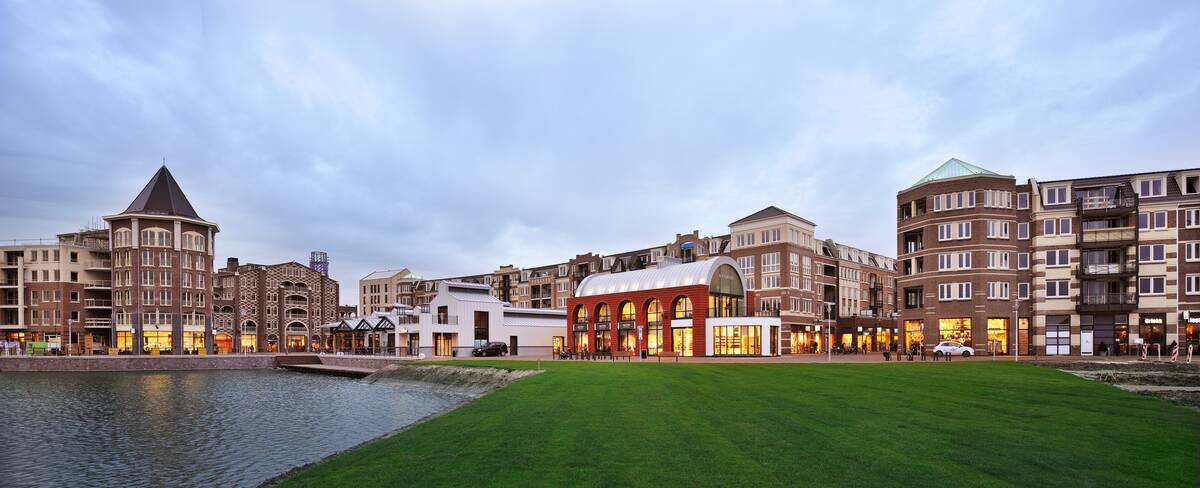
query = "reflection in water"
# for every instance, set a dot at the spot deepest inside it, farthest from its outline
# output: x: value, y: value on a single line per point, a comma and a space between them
x: 202, y: 428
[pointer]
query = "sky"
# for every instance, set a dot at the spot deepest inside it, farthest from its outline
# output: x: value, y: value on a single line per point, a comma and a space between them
x: 454, y: 137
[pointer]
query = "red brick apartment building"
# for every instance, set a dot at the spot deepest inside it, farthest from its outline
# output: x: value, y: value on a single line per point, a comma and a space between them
x: 1085, y: 266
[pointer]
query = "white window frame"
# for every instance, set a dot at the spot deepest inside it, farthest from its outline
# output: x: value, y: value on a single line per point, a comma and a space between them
x: 1152, y: 279
x: 1191, y: 283
x: 1149, y: 182
x: 1152, y: 247
x: 1022, y: 291
x: 1024, y: 195
x: 1190, y: 218
x: 1022, y: 231
x: 1054, y: 285
x: 1191, y: 251
x: 1062, y: 258
x: 1023, y: 256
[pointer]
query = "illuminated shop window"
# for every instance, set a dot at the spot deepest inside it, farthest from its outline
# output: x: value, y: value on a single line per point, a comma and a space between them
x: 957, y: 330
x: 737, y: 340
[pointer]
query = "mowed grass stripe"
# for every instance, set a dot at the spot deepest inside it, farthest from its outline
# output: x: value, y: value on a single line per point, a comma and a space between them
x: 631, y: 424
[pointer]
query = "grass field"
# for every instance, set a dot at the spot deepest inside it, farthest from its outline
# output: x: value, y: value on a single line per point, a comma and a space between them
x: 860, y: 425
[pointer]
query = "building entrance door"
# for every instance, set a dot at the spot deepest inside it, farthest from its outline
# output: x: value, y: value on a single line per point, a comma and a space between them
x: 1085, y: 342
x: 774, y: 340
x: 512, y: 345
x: 1058, y: 340
x: 556, y: 345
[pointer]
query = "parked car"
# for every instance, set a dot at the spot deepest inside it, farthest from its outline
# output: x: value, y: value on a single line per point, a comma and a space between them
x: 491, y: 349
x: 950, y: 347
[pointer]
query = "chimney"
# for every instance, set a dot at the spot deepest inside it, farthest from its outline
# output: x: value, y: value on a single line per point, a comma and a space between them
x: 232, y: 263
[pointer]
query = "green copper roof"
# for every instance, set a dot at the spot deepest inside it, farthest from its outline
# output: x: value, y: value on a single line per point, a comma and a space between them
x: 952, y: 168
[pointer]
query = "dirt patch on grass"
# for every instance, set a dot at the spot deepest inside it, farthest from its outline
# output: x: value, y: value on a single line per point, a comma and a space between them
x: 470, y: 381
x: 1177, y: 383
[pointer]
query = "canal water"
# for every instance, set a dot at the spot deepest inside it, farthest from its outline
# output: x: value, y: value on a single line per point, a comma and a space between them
x: 201, y: 428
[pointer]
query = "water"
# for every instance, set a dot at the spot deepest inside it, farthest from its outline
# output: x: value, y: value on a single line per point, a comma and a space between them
x: 201, y: 428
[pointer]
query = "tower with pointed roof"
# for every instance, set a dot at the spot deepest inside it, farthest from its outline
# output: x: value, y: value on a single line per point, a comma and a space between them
x: 162, y: 254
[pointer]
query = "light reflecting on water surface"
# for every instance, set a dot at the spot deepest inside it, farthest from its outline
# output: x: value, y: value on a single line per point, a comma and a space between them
x: 201, y: 428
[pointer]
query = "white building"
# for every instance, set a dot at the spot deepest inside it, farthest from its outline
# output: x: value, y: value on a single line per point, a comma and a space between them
x: 460, y: 317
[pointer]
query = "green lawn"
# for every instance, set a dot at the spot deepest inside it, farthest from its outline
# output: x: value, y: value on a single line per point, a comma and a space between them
x: 956, y: 424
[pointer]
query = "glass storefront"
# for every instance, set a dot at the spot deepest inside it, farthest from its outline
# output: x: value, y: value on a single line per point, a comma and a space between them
x: 654, y: 339
x: 295, y: 343
x: 272, y: 343
x: 914, y: 333
x: 997, y: 336
x: 249, y: 342
x: 883, y: 339
x: 737, y: 340
x: 192, y: 342
x: 156, y: 340
x: 681, y: 340
x: 726, y: 297
x: 1191, y: 334
x: 124, y: 342
x: 604, y: 341
x: 580, y: 340
x: 224, y: 343
x: 956, y: 330
x: 1024, y: 335
x: 627, y: 340
x: 1151, y: 330
x: 443, y: 344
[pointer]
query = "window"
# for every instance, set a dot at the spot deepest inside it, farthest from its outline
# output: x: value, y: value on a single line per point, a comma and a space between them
x: 1191, y: 217
x: 1023, y: 231
x: 997, y: 260
x: 955, y: 330
x: 1023, y: 201
x: 1058, y: 288
x: 997, y: 290
x: 1192, y: 284
x: 1022, y: 260
x: 1049, y: 227
x: 964, y: 230
x: 1191, y: 251
x: 1152, y: 188
x: 1191, y: 185
x: 770, y: 281
x: 944, y: 232
x: 794, y: 262
x: 997, y: 229
x: 746, y: 263
x: 683, y: 308
x: 1064, y: 226
x: 945, y: 262
x: 1151, y: 285
x: 1022, y: 291
x: 770, y: 262
x: 1152, y: 220
x: 1056, y: 195
x: 1151, y: 253
x: 964, y: 260
x: 1058, y: 258
x: 954, y: 291
x: 738, y: 340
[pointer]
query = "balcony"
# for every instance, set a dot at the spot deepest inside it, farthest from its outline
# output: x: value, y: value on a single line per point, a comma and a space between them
x: 1106, y: 270
x: 99, y: 284
x: 1108, y: 302
x: 295, y: 303
x: 295, y: 316
x: 97, y: 303
x: 98, y: 265
x: 98, y: 322
x: 1123, y: 202
x: 446, y: 319
x: 1112, y: 237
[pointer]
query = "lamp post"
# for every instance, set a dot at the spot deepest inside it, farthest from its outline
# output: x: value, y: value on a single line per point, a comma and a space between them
x: 829, y: 317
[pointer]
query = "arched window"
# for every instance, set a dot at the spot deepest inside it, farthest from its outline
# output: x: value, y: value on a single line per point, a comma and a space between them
x: 683, y: 308
x: 628, y: 313
x: 653, y: 312
x: 193, y: 241
x: 580, y: 315
x: 602, y: 314
x: 155, y: 237
x: 123, y: 238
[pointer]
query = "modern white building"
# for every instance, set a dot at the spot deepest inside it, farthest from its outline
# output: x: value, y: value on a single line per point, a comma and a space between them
x: 460, y: 317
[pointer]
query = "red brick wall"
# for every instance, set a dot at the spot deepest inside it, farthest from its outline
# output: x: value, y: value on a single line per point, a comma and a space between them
x: 666, y: 298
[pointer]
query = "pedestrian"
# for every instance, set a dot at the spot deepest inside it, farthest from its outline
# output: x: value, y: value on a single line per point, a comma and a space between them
x: 922, y: 347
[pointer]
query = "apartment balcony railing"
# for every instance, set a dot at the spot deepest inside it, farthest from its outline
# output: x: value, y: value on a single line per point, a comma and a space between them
x: 1112, y: 237
x: 295, y: 316
x: 98, y: 284
x: 8, y: 301
x: 766, y: 313
x: 1107, y: 270
x: 1122, y: 203
x: 295, y: 303
x: 98, y: 322
x: 98, y: 264
x: 97, y: 303
x: 446, y: 319
x: 1107, y: 302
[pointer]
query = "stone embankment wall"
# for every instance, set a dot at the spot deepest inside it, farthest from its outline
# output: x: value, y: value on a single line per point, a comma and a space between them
x: 135, y: 363
x: 456, y: 380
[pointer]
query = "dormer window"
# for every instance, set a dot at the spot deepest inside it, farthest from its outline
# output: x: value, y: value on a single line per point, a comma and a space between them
x: 1152, y: 188
x: 1056, y: 195
x: 1191, y: 185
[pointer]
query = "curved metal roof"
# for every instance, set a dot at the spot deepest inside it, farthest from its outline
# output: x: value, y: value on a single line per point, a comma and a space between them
x: 695, y: 273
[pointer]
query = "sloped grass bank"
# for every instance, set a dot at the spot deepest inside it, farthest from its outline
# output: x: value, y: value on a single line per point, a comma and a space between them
x: 892, y: 424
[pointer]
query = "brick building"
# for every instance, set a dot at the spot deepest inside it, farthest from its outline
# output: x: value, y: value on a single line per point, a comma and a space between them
x: 1083, y: 266
x: 162, y: 254
x: 57, y: 292
x: 699, y: 308
x: 268, y: 308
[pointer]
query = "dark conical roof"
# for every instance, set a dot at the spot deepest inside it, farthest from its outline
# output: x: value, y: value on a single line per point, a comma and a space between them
x: 162, y: 196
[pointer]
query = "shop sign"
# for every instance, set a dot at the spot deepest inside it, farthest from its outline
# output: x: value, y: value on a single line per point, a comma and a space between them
x: 1191, y: 317
x: 625, y: 325
x: 1157, y: 319
x: 604, y: 326
x: 581, y: 327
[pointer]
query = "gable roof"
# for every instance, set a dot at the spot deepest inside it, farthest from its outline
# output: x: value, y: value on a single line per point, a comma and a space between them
x: 162, y: 196
x: 770, y: 212
x: 391, y: 273
x: 953, y: 168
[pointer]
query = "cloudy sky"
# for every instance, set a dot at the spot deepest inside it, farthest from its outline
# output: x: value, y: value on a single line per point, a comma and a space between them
x: 454, y: 137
